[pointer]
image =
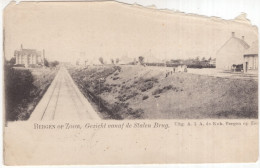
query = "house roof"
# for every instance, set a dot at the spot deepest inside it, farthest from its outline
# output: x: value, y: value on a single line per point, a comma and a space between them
x: 253, y: 50
x: 240, y: 41
x: 28, y: 52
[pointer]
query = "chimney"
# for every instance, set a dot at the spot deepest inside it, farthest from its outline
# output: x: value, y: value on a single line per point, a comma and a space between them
x: 21, y: 46
x: 243, y: 37
x: 233, y: 34
x: 43, y: 56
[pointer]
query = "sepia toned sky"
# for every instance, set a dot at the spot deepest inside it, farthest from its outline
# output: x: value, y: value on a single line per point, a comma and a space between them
x: 112, y: 30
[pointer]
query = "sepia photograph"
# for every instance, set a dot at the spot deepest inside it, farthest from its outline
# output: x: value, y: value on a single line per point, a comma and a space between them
x: 129, y: 63
x: 130, y: 82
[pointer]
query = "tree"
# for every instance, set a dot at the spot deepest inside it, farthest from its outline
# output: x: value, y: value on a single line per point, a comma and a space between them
x: 117, y: 60
x: 112, y: 61
x: 203, y: 59
x: 101, y: 60
x: 12, y: 61
x: 176, y: 61
x: 46, y: 62
x: 53, y: 63
x: 141, y: 60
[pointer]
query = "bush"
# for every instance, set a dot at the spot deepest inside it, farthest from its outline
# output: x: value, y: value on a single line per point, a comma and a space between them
x: 117, y: 68
x: 127, y: 96
x: 117, y: 107
x: 18, y: 86
x: 122, y: 110
x: 23, y: 91
x: 138, y: 113
x: 155, y: 80
x: 115, y: 78
x: 146, y: 84
x: 101, y: 87
x: 145, y: 97
x: 165, y: 88
x: 53, y: 64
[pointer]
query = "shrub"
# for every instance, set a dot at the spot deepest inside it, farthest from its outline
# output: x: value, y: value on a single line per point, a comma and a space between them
x: 115, y: 78
x: 116, y: 74
x: 165, y: 88
x: 145, y: 97
x: 146, y: 84
x: 127, y: 96
x: 138, y: 113
x: 151, y: 79
x: 117, y: 107
x: 101, y: 87
x: 122, y: 110
x: 117, y: 68
x: 23, y: 91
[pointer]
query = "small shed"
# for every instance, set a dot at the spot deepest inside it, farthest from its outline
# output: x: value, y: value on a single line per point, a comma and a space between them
x: 251, y: 57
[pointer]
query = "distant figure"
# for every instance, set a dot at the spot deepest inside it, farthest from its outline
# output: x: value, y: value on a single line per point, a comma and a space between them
x: 167, y: 74
x: 173, y: 70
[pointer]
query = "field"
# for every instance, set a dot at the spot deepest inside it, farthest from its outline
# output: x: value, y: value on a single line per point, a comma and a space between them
x: 130, y: 92
x: 23, y: 90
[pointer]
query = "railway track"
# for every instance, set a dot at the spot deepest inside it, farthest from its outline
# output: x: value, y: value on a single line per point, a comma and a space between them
x: 63, y: 101
x: 56, y: 87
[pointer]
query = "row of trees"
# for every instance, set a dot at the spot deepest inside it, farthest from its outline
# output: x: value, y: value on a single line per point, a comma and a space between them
x: 113, y: 61
x: 46, y: 63
x: 50, y: 64
x: 116, y: 61
x: 193, y: 62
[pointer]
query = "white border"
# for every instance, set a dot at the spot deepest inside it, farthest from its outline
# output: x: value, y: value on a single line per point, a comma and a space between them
x: 226, y: 9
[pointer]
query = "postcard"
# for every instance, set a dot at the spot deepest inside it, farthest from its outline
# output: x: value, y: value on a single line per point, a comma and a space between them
x: 104, y: 82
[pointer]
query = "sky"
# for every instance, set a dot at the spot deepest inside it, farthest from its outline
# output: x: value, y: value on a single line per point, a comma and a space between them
x: 226, y: 9
x: 68, y: 32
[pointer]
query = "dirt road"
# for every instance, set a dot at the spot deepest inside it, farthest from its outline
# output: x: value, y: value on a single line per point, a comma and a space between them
x: 63, y: 101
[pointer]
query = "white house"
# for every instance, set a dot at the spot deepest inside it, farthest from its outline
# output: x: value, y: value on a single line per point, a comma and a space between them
x: 28, y: 57
x: 231, y: 53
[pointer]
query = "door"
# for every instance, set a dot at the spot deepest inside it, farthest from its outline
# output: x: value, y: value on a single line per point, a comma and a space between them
x: 246, y: 69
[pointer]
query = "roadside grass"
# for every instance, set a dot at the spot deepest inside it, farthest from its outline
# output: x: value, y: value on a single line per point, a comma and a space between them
x: 93, y: 84
x: 23, y: 90
x: 130, y: 92
x: 166, y: 88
